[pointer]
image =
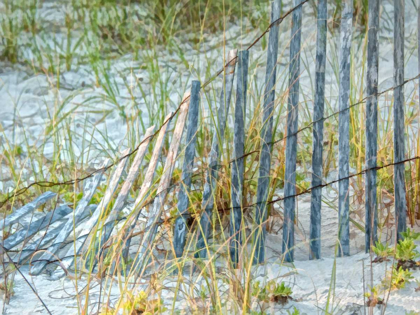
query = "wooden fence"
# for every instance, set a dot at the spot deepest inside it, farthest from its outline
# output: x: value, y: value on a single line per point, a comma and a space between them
x: 71, y: 226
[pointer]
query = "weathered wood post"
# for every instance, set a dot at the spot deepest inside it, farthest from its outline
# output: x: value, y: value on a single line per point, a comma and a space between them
x: 266, y: 135
x: 344, y: 128
x: 217, y: 141
x: 291, y: 142
x: 237, y: 168
x: 125, y: 189
x: 399, y: 149
x: 318, y: 131
x: 371, y: 223
x: 146, y: 245
x: 180, y: 226
x: 145, y: 186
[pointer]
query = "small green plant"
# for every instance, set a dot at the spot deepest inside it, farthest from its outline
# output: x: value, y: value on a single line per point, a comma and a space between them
x: 294, y: 312
x: 383, y: 252
x: 373, y: 296
x: 406, y: 250
x: 272, y: 292
x: 410, y: 234
x: 397, y: 279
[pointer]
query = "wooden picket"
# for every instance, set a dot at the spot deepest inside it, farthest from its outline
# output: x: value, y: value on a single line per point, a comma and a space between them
x: 238, y: 164
x: 318, y: 131
x: 399, y: 131
x: 291, y: 142
x: 371, y: 221
x: 266, y: 135
x: 180, y: 226
x: 217, y: 143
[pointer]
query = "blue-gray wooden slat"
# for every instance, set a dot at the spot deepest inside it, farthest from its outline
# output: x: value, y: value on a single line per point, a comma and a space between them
x: 371, y: 219
x: 291, y: 141
x: 318, y: 131
x: 180, y: 226
x: 25, y: 233
x: 399, y: 132
x: 344, y: 128
x: 29, y: 207
x: 40, y: 241
x: 152, y: 222
x: 212, y: 173
x: 238, y: 165
x: 266, y: 135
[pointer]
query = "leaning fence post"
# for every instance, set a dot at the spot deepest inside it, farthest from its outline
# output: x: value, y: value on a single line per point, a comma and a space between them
x: 212, y: 173
x: 291, y: 142
x: 180, y: 226
x: 266, y: 135
x: 150, y: 230
x: 238, y: 152
x: 318, y: 131
x: 399, y: 150
x: 371, y: 221
x: 344, y: 127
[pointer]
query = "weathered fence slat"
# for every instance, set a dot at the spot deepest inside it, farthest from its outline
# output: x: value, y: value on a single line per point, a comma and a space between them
x: 180, y: 226
x: 25, y: 233
x: 217, y: 141
x: 73, y: 251
x: 318, y: 131
x: 162, y: 191
x: 125, y: 189
x: 237, y: 168
x: 291, y: 142
x: 344, y: 128
x: 68, y: 227
x: 29, y: 207
x: 399, y: 149
x: 145, y: 187
x: 266, y: 135
x: 42, y: 240
x: 371, y: 222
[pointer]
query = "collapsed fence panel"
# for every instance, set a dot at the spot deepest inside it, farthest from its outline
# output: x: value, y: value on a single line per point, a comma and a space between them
x: 100, y: 211
x: 34, y: 227
x: 318, y: 132
x: 209, y: 191
x: 238, y: 164
x: 29, y: 207
x: 42, y: 240
x: 266, y: 134
x: 90, y: 189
